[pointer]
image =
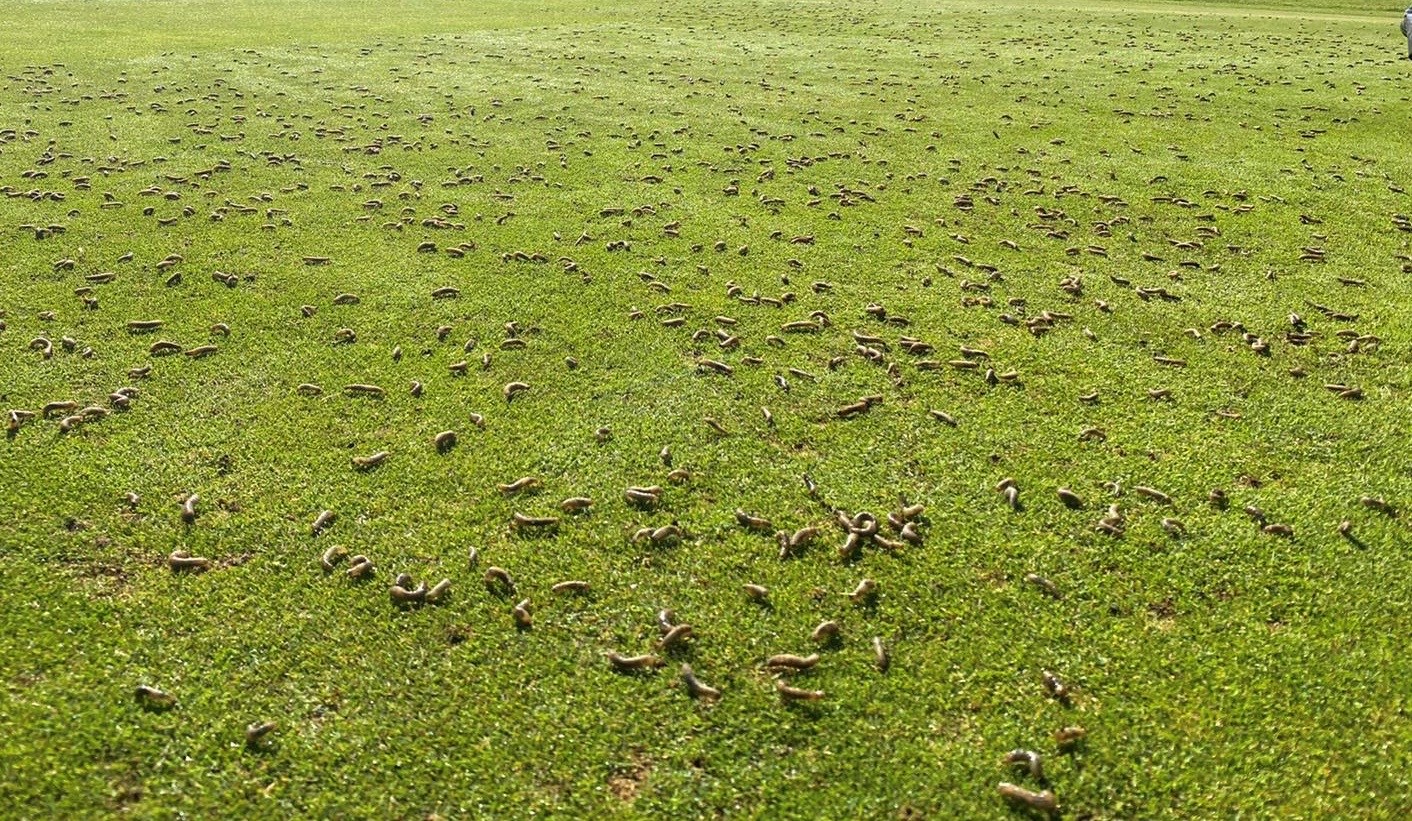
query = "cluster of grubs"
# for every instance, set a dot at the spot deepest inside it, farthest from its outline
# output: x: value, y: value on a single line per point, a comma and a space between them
x: 882, y: 342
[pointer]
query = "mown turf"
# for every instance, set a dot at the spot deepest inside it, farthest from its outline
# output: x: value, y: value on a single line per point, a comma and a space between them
x: 1226, y: 671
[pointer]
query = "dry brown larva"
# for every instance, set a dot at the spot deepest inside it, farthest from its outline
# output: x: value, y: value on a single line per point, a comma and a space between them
x: 498, y: 577
x: 1380, y: 505
x: 751, y: 521
x: 446, y: 293
x: 371, y: 461
x: 1028, y: 759
x: 571, y: 586
x: 758, y: 592
x: 865, y: 590
x: 1056, y: 686
x: 679, y: 476
x: 154, y: 699
x: 180, y: 560
x: 522, y: 520
x: 364, y: 390
x: 1070, y: 498
x: 322, y: 522
x: 792, y: 662
x: 220, y: 329
x: 716, y: 426
x: 400, y: 594
x: 881, y: 657
x: 523, y: 483
x: 666, y: 618
x: 1043, y: 801
x: 439, y: 590
x: 163, y: 348
x: 514, y: 389
x: 676, y: 635
x: 444, y: 441
x: 576, y: 504
x: 1153, y: 494
x: 624, y: 663
x: 188, y: 508
x: 942, y: 416
x: 477, y: 420
x: 331, y: 557
x: 695, y: 687
x: 1173, y: 526
x: 1044, y: 584
x: 256, y: 732
x: 309, y: 389
x: 643, y: 496
x: 143, y: 325
x: 825, y: 632
x: 360, y: 567
x: 521, y: 613
x: 789, y: 693
x: 1279, y: 529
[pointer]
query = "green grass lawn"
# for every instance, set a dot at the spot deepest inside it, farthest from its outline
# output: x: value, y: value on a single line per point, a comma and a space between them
x: 1169, y: 228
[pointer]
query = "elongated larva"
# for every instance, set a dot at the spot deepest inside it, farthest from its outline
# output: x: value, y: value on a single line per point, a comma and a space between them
x: 826, y: 631
x: 1043, y: 801
x: 514, y: 389
x: 439, y: 590
x: 519, y: 520
x: 1068, y: 736
x: 1029, y: 759
x: 679, y: 476
x: 629, y: 663
x: 181, y: 560
x: 1070, y: 498
x: 477, y: 420
x: 498, y: 577
x: 1012, y: 497
x: 518, y: 485
x: 332, y: 556
x: 571, y: 586
x: 163, y: 348
x: 695, y: 687
x: 1173, y: 526
x: 666, y: 619
x: 44, y: 346
x: 188, y: 508
x: 220, y: 329
x: 370, y: 462
x: 154, y: 699
x: 1153, y: 494
x: 52, y: 408
x: 751, y: 521
x: 402, y: 595
x: 881, y: 657
x: 678, y: 634
x: 364, y: 390
x: 643, y: 496
x: 309, y: 389
x: 1380, y: 505
x: 792, y: 662
x: 346, y: 299
x: 446, y: 293
x: 942, y: 416
x: 141, y: 325
x: 576, y: 504
x: 460, y: 368
x: 256, y: 732
x: 322, y: 522
x: 360, y: 567
x: 789, y: 693
x: 1278, y: 529
x: 521, y: 613
x: 444, y: 441
x: 865, y: 590
x: 716, y: 426
x: 758, y: 592
x: 1044, y: 584
x: 1056, y: 687
x: 714, y: 365
x: 769, y: 417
